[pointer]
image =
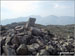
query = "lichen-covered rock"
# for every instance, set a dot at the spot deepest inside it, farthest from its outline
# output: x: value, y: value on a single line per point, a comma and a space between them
x: 8, y: 50
x: 8, y: 40
x: 33, y: 47
x: 43, y: 52
x: 22, y: 50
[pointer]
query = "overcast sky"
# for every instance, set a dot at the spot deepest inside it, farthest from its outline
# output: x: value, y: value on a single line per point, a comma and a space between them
x: 14, y: 9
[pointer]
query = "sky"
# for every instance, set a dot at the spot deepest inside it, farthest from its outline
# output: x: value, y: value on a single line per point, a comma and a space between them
x: 14, y: 9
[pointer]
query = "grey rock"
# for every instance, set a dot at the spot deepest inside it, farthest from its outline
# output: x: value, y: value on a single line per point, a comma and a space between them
x: 20, y: 34
x: 3, y: 54
x: 3, y: 30
x: 19, y: 29
x: 29, y: 33
x: 31, y: 22
x: 2, y: 42
x: 11, y: 32
x: 24, y: 39
x: 39, y: 42
x: 33, y: 47
x: 8, y: 51
x: 15, y: 40
x: 0, y: 50
x: 35, y: 31
x: 22, y: 50
x: 14, y: 46
x: 8, y: 40
x: 51, y: 49
x: 43, y: 52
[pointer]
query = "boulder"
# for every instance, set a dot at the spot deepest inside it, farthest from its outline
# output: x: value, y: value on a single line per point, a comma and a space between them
x: 14, y: 46
x: 20, y: 34
x: 33, y: 47
x: 8, y: 40
x: 2, y: 42
x: 3, y: 54
x: 39, y: 42
x: 38, y: 54
x: 51, y: 50
x: 43, y: 52
x: 22, y: 50
x: 29, y: 33
x: 8, y: 51
x: 33, y: 41
x: 21, y: 39
x: 3, y: 30
x: 19, y: 28
x: 35, y: 31
x: 0, y: 48
x: 24, y: 39
x: 11, y: 32
x: 31, y: 22
x: 15, y: 40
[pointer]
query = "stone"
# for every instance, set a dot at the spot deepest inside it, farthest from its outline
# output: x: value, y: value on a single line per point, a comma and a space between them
x: 22, y: 50
x: 14, y: 46
x: 30, y: 48
x: 43, y: 52
x: 19, y: 28
x: 2, y: 30
x: 8, y: 51
x: 8, y: 40
x: 51, y: 49
x: 33, y: 40
x: 39, y: 42
x: 25, y: 39
x: 11, y: 32
x: 37, y: 54
x: 30, y: 23
x: 33, y: 47
x: 35, y: 31
x: 15, y: 40
x: 21, y: 39
x: 3, y: 54
x: 29, y: 33
x: 20, y: 34
x: 0, y: 49
x: 2, y: 42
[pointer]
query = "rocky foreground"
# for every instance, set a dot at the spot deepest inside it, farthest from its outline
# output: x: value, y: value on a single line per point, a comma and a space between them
x: 30, y: 39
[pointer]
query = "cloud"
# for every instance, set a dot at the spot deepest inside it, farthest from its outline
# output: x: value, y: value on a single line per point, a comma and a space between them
x: 56, y: 6
x: 14, y: 9
x: 19, y: 6
x: 61, y: 6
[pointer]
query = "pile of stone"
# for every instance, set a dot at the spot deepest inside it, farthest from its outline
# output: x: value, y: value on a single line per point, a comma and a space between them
x: 28, y: 40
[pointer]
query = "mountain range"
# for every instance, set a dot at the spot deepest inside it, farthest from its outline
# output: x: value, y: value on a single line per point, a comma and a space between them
x: 48, y: 20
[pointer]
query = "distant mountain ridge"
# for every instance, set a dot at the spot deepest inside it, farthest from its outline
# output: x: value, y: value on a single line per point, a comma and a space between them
x: 48, y: 20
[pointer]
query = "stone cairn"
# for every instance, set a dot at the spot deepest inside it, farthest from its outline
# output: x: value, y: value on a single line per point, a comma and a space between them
x: 27, y: 40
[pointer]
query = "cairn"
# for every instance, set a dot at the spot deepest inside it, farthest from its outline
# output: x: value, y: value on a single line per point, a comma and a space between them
x: 28, y: 41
